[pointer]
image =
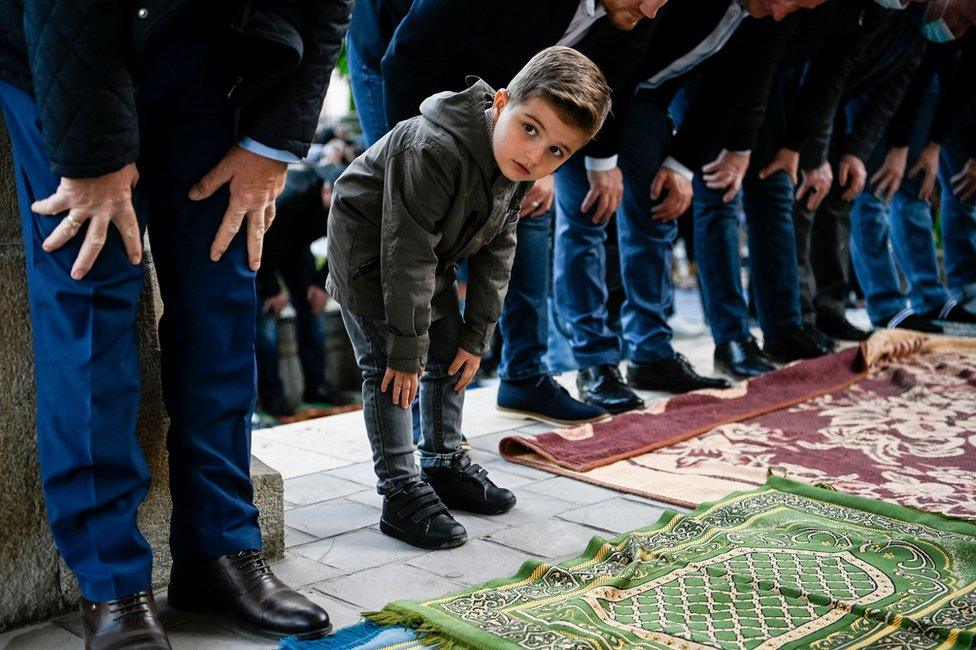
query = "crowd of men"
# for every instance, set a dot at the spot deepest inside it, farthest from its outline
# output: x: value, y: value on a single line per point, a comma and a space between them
x: 836, y: 129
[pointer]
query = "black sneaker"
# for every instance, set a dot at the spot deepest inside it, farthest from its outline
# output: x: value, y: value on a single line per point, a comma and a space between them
x: 417, y: 516
x: 953, y: 312
x: 466, y: 486
x: 908, y: 320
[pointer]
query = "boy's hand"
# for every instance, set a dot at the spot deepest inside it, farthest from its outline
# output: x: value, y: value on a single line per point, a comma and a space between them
x: 470, y: 363
x: 405, y: 386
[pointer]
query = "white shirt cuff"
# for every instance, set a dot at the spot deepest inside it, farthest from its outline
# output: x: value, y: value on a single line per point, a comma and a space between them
x: 263, y: 150
x: 678, y: 168
x: 600, y: 164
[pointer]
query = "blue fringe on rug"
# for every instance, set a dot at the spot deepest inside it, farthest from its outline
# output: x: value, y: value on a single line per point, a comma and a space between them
x: 365, y: 636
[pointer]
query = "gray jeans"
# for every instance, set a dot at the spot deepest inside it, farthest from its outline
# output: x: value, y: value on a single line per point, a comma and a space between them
x: 390, y: 427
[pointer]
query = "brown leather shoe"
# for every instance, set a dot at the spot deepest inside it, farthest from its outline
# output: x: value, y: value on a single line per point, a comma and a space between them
x: 242, y: 586
x: 130, y: 622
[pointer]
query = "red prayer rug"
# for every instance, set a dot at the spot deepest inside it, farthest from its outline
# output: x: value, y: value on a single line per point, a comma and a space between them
x: 893, y: 420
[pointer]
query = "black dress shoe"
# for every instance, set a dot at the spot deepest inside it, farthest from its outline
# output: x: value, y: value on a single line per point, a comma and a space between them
x: 952, y: 312
x: 912, y: 321
x: 821, y: 337
x: 130, y: 622
x: 838, y: 327
x: 674, y: 375
x: 466, y: 486
x: 795, y: 343
x: 242, y: 586
x: 417, y: 516
x: 741, y: 359
x: 604, y: 387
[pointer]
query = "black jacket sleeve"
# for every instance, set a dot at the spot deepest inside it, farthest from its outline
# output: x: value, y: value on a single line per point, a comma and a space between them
x: 286, y: 114
x: 903, y: 123
x: 84, y: 90
x: 959, y: 95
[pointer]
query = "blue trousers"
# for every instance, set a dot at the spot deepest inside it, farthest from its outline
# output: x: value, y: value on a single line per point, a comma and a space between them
x: 368, y: 92
x: 958, y: 226
x: 86, y: 351
x: 644, y: 245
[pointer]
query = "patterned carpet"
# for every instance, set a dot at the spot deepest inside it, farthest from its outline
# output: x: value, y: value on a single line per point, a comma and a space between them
x: 784, y: 566
x: 894, y: 421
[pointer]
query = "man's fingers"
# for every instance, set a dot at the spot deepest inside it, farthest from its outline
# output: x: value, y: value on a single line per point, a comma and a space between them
x: 711, y: 167
x: 255, y: 238
x: 210, y: 183
x: 227, y: 230
x: 128, y: 227
x: 588, y: 200
x: 769, y: 170
x: 54, y: 204
x: 966, y: 192
x: 269, y: 215
x: 601, y: 213
x: 90, y: 248
x: 68, y: 228
x: 842, y: 175
x: 657, y: 186
x: 916, y: 168
x: 733, y: 190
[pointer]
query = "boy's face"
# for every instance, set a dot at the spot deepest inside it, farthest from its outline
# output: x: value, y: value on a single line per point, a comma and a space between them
x: 531, y: 140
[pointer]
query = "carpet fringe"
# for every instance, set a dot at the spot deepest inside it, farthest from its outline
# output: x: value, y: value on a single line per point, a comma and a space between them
x: 426, y: 633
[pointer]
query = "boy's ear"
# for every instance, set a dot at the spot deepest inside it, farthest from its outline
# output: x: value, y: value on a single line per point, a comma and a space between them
x: 501, y: 100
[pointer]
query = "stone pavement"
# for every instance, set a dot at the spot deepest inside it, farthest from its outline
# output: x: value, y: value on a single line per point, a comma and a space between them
x: 336, y: 554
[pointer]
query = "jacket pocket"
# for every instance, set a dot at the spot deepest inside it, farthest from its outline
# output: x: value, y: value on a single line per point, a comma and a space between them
x: 363, y: 269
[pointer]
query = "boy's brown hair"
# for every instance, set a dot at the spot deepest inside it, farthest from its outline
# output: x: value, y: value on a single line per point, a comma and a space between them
x: 567, y: 81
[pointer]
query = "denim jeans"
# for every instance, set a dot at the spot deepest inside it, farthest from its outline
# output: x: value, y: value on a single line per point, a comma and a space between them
x: 367, y: 92
x: 772, y: 257
x: 907, y: 225
x: 390, y: 427
x: 644, y: 248
x: 958, y: 226
x: 524, y: 321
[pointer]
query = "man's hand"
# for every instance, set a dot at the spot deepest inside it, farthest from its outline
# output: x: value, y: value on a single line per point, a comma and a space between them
x: 726, y: 173
x: 852, y: 176
x: 606, y: 191
x: 255, y: 183
x: 103, y: 200
x: 470, y: 363
x: 786, y: 160
x: 679, y: 196
x: 816, y: 183
x: 275, y: 304
x: 964, y: 183
x: 317, y: 299
x: 405, y: 386
x: 538, y: 200
x: 927, y: 165
x: 887, y: 180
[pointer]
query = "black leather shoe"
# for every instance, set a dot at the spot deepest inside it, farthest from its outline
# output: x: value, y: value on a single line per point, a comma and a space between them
x: 466, y: 486
x: 820, y: 337
x: 741, y: 359
x: 796, y: 343
x: 417, y: 516
x: 130, y: 622
x: 603, y: 386
x: 912, y: 321
x: 674, y: 375
x: 325, y: 394
x: 242, y: 586
x: 952, y: 312
x: 838, y: 327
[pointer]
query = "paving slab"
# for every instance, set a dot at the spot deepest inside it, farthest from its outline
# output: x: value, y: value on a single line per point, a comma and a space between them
x: 341, y: 613
x: 373, y: 588
x: 532, y: 506
x: 548, y: 538
x: 571, y: 490
x: 362, y: 473
x: 321, y: 486
x: 295, y: 537
x: 46, y: 636
x: 331, y: 518
x: 291, y: 461
x: 297, y: 571
x: 202, y: 633
x: 476, y: 562
x: 616, y: 516
x: 358, y: 550
x: 514, y: 468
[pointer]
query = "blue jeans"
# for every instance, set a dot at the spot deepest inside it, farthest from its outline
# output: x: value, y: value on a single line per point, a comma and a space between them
x: 367, y: 92
x: 958, y: 226
x: 644, y: 245
x: 524, y: 321
x: 772, y: 257
x: 93, y: 473
x: 390, y: 427
x: 907, y: 225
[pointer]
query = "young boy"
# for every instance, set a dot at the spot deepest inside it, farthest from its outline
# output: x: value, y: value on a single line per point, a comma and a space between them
x: 438, y: 188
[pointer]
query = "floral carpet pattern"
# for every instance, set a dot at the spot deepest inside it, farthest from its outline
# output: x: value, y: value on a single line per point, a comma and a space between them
x: 785, y: 566
x: 904, y: 431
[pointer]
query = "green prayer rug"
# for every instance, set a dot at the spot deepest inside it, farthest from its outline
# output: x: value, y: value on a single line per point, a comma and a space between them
x: 785, y: 566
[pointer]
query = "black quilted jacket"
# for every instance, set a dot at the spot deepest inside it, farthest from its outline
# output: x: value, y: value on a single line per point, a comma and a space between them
x: 79, y: 59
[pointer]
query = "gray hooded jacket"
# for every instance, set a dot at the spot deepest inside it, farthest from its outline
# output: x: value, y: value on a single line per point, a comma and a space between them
x: 426, y: 195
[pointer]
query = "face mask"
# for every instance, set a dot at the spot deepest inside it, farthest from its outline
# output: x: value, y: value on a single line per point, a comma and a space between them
x: 938, y: 31
x: 891, y: 4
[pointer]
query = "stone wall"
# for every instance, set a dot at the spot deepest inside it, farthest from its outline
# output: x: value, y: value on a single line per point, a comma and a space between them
x: 34, y: 583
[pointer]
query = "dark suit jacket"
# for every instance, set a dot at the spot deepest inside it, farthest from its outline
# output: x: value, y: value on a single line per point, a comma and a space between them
x: 441, y: 42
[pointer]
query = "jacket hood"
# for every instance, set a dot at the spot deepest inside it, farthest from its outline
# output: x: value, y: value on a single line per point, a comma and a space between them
x: 462, y: 115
